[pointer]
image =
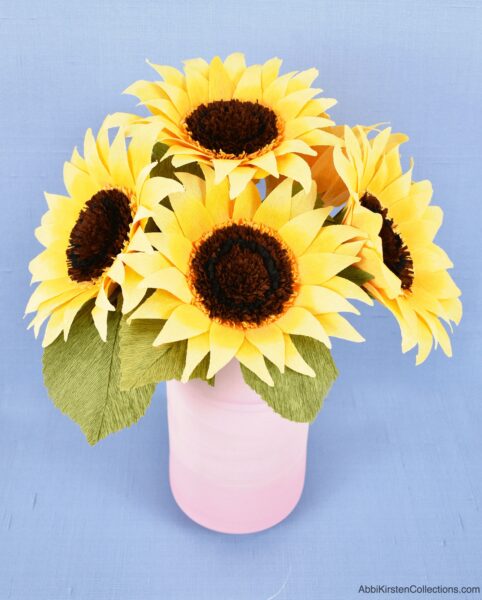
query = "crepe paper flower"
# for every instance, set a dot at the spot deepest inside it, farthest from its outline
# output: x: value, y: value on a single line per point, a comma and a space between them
x: 409, y: 269
x: 93, y: 235
x: 245, y: 122
x: 242, y: 276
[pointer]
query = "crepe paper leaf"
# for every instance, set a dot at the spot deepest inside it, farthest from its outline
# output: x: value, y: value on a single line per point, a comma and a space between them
x: 164, y: 167
x: 295, y: 396
x: 143, y: 364
x: 356, y: 275
x: 82, y: 377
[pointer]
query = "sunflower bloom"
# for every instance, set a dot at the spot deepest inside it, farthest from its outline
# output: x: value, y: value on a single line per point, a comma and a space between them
x: 409, y: 269
x: 94, y: 234
x: 245, y: 275
x: 246, y: 122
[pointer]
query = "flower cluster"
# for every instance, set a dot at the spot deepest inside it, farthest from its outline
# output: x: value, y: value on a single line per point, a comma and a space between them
x: 236, y: 221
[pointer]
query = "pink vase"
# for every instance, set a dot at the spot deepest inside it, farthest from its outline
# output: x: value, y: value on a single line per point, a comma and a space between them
x: 235, y: 465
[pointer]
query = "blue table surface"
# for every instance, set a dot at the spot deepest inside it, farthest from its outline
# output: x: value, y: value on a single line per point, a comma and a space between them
x: 394, y: 481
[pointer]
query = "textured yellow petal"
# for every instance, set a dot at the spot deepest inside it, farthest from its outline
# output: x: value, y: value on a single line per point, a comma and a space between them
x: 53, y: 329
x: 197, y: 87
x: 318, y: 137
x: 350, y: 248
x: 303, y: 202
x: 93, y: 161
x: 295, y: 167
x: 223, y: 167
x: 186, y: 321
x: 159, y: 305
x: 249, y: 85
x: 220, y: 85
x: 316, y: 268
x: 438, y: 332
x: 102, y: 299
x: 168, y: 73
x: 269, y: 340
x: 318, y: 299
x: 275, y: 210
x: 269, y: 71
x: 49, y: 264
x: 198, y: 64
x: 143, y: 263
x: 224, y: 342
x: 166, y: 220
x: 300, y: 231
x: 193, y: 185
x: 140, y: 148
x: 348, y: 289
x: 176, y: 248
x: 425, y: 342
x: 194, y: 218
x: 72, y: 308
x: 132, y: 294
x: 276, y: 89
x: 345, y: 170
x: 116, y: 271
x: 296, y: 146
x: 247, y: 203
x: 299, y: 321
x: 453, y: 309
x: 171, y: 280
x: 144, y: 90
x: 157, y: 188
x: 178, y: 97
x: 440, y: 284
x: 300, y: 125
x: 140, y: 242
x: 119, y: 163
x: 253, y: 360
x: 99, y: 316
x: 302, y: 80
x: 79, y: 185
x: 291, y: 105
x: 337, y: 326
x: 239, y: 179
x: 197, y: 348
x: 50, y: 289
x: 235, y: 65
x: 331, y: 237
x: 267, y: 162
x: 295, y: 361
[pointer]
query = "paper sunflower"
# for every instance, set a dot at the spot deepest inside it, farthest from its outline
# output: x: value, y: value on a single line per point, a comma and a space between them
x: 242, y: 276
x: 93, y: 235
x: 245, y: 122
x: 410, y: 271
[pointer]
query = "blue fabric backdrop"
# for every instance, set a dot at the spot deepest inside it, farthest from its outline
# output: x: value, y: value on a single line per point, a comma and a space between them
x: 394, y: 482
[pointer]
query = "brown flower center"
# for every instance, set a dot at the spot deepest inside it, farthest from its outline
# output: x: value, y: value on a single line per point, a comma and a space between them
x: 233, y: 126
x: 242, y: 275
x: 396, y: 255
x: 99, y: 234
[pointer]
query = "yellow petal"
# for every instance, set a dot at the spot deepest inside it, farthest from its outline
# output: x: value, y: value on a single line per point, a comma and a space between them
x: 247, y: 203
x: 337, y: 326
x: 299, y: 321
x: 224, y: 342
x: 79, y: 184
x: 193, y: 216
x: 267, y: 162
x: 239, y: 179
x: 159, y: 305
x: 249, y: 86
x: 186, y: 321
x: 166, y: 220
x: 269, y: 340
x: 53, y: 329
x: 132, y: 294
x: 99, y: 315
x: 223, y: 167
x: 292, y: 165
x: 119, y: 163
x: 157, y: 188
x: 318, y: 299
x: 275, y: 210
x: 220, y: 85
x: 176, y: 248
x: 197, y: 348
x: 253, y: 360
x: 93, y: 161
x: 197, y: 87
x: 300, y: 231
x: 348, y: 289
x: 171, y: 280
x: 235, y: 65
x: 318, y: 267
x: 291, y: 105
x: 295, y: 361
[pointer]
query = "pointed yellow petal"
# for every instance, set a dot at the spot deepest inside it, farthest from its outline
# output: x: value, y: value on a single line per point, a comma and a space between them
x: 291, y: 105
x: 269, y: 340
x: 79, y: 184
x: 186, y: 321
x: 223, y: 167
x: 99, y: 315
x: 348, y: 289
x: 275, y: 210
x: 337, y: 326
x: 239, y: 179
x: 197, y: 87
x: 316, y: 268
x: 294, y: 360
x: 197, y: 348
x: 292, y: 165
x: 235, y: 65
x: 53, y: 329
x: 249, y: 86
x: 171, y: 280
x: 299, y: 321
x: 224, y: 342
x: 132, y: 294
x: 194, y: 218
x: 253, y: 360
x: 318, y: 299
x: 220, y: 85
x: 247, y: 203
x: 267, y: 162
x: 159, y: 305
x: 300, y: 231
x: 157, y: 188
x: 176, y: 248
x: 166, y: 220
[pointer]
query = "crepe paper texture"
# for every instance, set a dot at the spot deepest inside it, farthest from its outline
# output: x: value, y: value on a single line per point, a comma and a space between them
x: 166, y: 260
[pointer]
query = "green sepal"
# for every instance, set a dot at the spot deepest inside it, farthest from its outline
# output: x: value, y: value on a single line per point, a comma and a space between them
x: 144, y: 364
x: 295, y: 396
x: 82, y: 376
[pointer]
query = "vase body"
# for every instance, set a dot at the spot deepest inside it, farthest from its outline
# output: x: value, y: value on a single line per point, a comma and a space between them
x: 235, y: 466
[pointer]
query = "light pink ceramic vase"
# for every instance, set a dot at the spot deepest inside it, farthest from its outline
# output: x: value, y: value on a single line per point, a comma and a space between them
x: 235, y: 465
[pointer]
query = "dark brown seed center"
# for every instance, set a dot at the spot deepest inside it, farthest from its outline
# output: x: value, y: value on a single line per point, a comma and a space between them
x: 396, y: 255
x: 99, y: 234
x: 242, y: 275
x: 232, y: 126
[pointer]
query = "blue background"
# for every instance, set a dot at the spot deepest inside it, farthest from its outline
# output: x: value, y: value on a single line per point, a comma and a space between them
x: 394, y: 486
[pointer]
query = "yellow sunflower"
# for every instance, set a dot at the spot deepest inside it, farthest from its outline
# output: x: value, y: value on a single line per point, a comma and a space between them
x: 409, y: 269
x: 93, y: 235
x: 242, y: 276
x: 245, y: 122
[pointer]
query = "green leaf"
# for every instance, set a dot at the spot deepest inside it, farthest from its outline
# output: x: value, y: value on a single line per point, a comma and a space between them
x: 356, y: 275
x: 143, y: 364
x: 294, y: 396
x: 165, y: 168
x: 82, y: 376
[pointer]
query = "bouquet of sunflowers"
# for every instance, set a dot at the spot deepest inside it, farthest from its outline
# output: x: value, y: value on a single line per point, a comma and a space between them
x: 235, y: 222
